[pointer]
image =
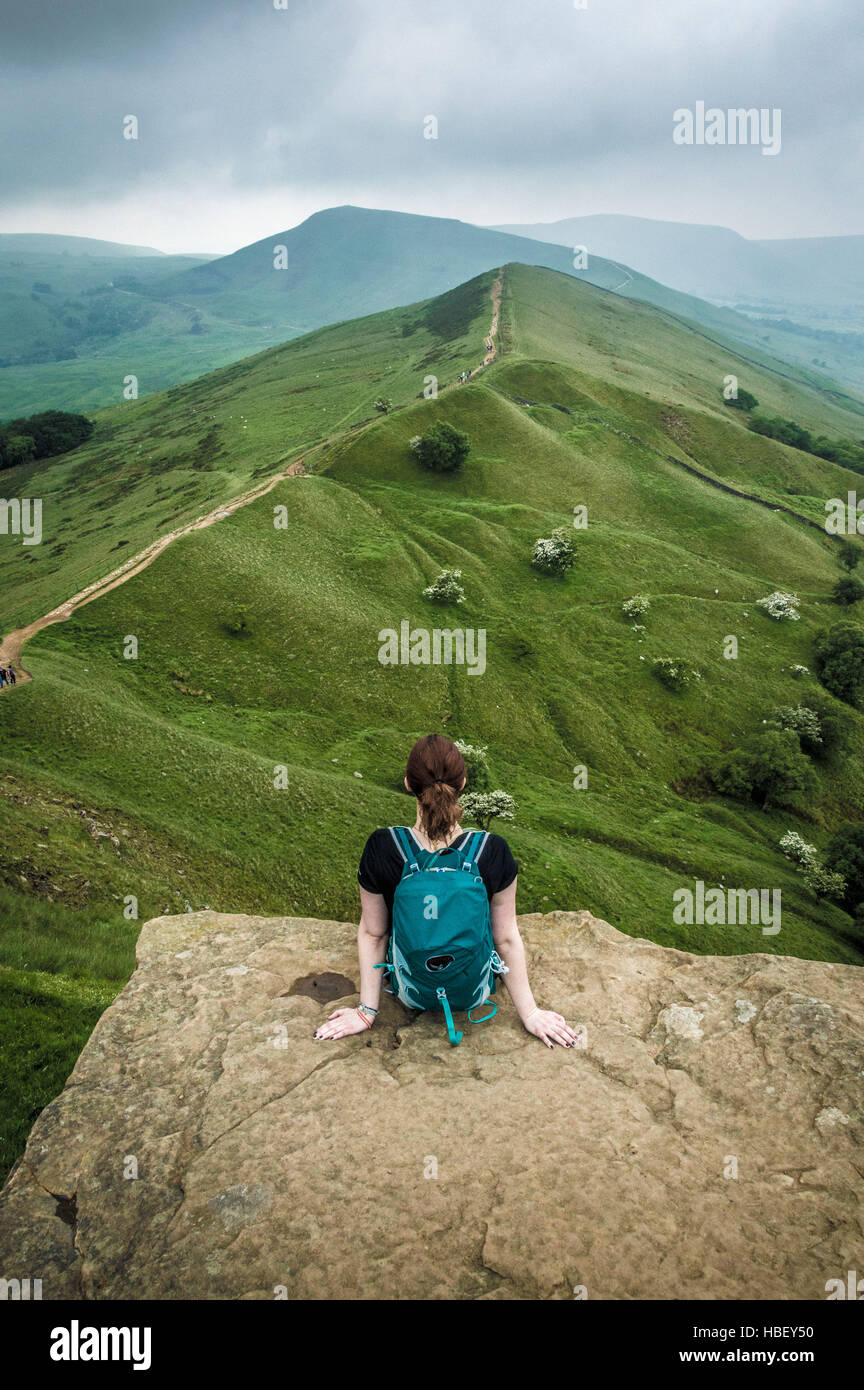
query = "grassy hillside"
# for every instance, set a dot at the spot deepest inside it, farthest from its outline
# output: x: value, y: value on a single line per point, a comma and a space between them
x: 161, y: 461
x: 154, y: 777
x: 76, y: 326
x: 802, y: 296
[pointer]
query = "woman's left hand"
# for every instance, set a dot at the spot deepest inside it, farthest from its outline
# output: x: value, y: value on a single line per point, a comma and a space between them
x: 550, y: 1028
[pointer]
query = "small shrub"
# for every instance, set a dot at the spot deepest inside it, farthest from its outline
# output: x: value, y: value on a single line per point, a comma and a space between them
x: 674, y: 673
x: 796, y: 848
x: 840, y: 662
x: 383, y: 405
x: 824, y: 882
x: 554, y: 554
x: 848, y: 590
x: 803, y: 721
x: 743, y: 401
x: 442, y: 449
x: 236, y: 620
x: 477, y: 773
x: 845, y: 855
x: 780, y: 605
x: 849, y: 555
x: 484, y: 807
x: 767, y: 767
x: 798, y: 671
x: 446, y: 588
x: 636, y: 607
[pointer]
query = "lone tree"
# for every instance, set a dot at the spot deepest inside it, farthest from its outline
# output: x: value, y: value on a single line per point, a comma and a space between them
x: 848, y: 590
x: 236, y: 620
x: 42, y: 436
x: 845, y: 855
x: 840, y: 662
x: 766, y: 767
x: 673, y: 672
x: 446, y: 588
x: 442, y: 448
x: 485, y: 806
x: 743, y: 401
x: 477, y: 774
x: 554, y: 554
x: 849, y: 555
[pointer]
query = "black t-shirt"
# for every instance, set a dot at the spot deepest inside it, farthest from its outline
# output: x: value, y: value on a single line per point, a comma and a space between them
x: 381, y: 864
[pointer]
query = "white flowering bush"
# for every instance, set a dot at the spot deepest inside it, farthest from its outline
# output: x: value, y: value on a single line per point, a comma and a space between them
x: 674, y: 673
x: 780, y: 605
x: 635, y: 607
x: 798, y: 671
x: 824, y: 882
x: 476, y: 766
x: 446, y: 588
x: 796, y: 848
x: 805, y: 722
x: 554, y: 554
x: 484, y: 807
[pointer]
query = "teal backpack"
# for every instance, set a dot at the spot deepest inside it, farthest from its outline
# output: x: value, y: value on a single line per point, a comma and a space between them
x: 441, y: 954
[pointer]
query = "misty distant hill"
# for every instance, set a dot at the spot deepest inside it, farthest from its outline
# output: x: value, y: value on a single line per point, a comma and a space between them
x: 73, y: 327
x: 715, y: 261
x: 348, y: 261
x: 47, y: 243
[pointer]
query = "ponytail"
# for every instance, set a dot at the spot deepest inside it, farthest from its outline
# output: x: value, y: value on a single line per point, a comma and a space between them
x: 435, y: 773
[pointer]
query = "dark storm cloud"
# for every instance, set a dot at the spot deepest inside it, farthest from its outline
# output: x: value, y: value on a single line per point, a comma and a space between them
x: 536, y: 103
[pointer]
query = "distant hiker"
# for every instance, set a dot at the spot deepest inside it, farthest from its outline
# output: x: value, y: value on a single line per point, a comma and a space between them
x: 438, y: 912
x: 2, y: 677
x: 11, y: 675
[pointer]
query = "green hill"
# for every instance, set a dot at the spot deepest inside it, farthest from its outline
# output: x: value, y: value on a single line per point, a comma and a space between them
x: 800, y: 298
x: 75, y: 327
x: 258, y: 644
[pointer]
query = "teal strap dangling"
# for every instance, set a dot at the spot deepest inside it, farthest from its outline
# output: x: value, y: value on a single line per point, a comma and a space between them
x: 386, y: 965
x: 486, y: 1017
x: 455, y: 1038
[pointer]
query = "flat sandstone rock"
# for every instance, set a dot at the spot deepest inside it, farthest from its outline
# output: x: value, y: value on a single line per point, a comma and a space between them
x: 702, y: 1144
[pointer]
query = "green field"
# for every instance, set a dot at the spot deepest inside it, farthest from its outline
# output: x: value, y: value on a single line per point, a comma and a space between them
x: 154, y: 777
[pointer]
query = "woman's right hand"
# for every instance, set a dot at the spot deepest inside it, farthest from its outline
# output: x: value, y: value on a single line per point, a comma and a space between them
x: 550, y: 1028
x: 341, y: 1024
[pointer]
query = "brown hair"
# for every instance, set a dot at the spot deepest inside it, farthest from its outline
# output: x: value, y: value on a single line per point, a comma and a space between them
x: 434, y: 774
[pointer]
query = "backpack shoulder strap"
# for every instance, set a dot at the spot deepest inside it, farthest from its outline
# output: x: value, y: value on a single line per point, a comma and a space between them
x: 405, y: 845
x: 474, y: 848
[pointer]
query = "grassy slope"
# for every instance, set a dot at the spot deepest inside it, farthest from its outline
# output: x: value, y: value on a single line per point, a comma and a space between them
x: 155, y: 463
x: 340, y: 263
x: 185, y: 784
x: 53, y: 356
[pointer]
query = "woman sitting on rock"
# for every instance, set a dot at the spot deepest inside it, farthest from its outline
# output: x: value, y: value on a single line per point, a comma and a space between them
x: 436, y: 775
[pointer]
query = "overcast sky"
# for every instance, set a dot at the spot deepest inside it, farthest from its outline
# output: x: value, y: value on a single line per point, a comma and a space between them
x: 253, y: 117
